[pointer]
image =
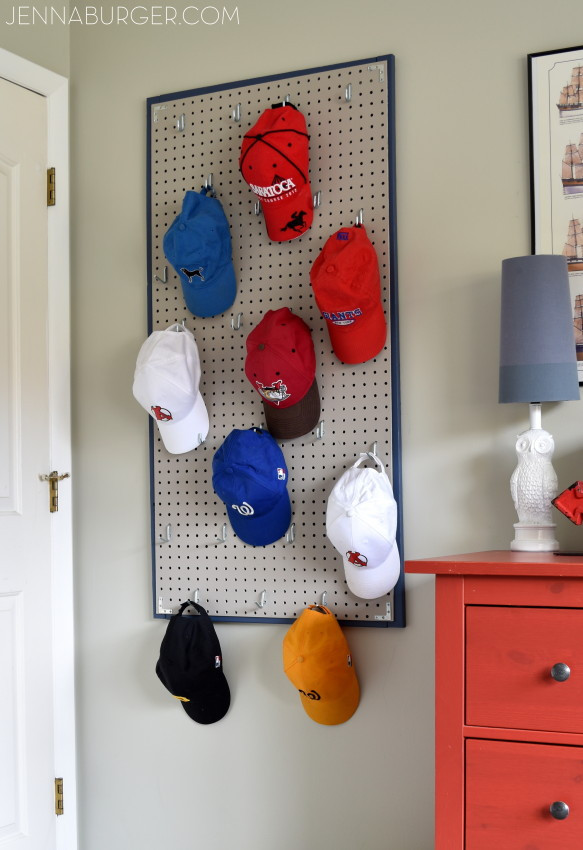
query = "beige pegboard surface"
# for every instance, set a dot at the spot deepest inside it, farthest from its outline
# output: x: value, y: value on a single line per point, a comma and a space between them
x: 350, y: 166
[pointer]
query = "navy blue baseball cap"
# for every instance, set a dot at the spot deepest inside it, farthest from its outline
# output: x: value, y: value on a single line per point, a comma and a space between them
x: 198, y: 245
x: 250, y: 477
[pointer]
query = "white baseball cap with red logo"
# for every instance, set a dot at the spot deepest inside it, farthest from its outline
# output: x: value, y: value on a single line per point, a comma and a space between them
x: 361, y: 523
x: 166, y: 384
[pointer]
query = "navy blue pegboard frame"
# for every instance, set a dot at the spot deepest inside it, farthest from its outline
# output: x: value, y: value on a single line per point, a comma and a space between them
x: 398, y: 594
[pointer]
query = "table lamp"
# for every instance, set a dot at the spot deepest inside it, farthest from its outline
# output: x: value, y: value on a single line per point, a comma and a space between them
x: 537, y: 363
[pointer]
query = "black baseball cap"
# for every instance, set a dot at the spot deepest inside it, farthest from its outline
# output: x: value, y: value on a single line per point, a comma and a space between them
x: 191, y: 666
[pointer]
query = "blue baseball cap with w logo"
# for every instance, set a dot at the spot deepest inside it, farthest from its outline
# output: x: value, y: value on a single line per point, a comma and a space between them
x: 250, y: 477
x: 198, y: 245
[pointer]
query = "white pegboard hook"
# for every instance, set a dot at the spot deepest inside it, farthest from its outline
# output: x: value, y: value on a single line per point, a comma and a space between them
x: 348, y: 93
x: 223, y: 537
x: 359, y: 218
x: 236, y: 323
x: 262, y: 599
x: 163, y: 279
x: 291, y: 533
x: 161, y: 540
x: 236, y: 113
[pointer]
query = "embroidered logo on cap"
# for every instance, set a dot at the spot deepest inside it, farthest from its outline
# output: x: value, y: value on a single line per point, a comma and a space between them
x: 194, y: 273
x: 160, y: 413
x: 245, y: 509
x: 343, y: 235
x: 280, y: 474
x: 277, y: 391
x: 217, y: 661
x: 296, y: 222
x: 311, y: 694
x: 343, y: 317
x: 357, y: 559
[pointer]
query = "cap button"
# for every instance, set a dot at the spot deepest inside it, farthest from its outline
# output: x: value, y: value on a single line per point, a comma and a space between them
x: 350, y: 512
x: 229, y: 469
x: 330, y: 268
x: 261, y: 346
x: 181, y: 227
x: 300, y: 658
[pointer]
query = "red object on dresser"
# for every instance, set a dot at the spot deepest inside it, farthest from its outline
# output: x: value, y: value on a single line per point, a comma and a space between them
x: 508, y: 700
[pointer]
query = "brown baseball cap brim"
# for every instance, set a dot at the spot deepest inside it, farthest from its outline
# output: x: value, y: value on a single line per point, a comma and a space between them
x: 299, y: 419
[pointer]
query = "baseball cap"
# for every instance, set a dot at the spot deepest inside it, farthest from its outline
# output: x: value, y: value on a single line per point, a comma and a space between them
x: 361, y: 523
x: 190, y: 666
x: 274, y: 162
x: 250, y: 477
x: 281, y: 366
x: 166, y: 383
x: 346, y: 282
x: 198, y: 245
x: 317, y: 660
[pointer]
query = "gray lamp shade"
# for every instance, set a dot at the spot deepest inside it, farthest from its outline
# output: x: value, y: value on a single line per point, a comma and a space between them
x: 537, y: 340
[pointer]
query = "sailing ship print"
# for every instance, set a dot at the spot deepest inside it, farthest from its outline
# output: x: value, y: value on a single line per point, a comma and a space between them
x: 572, y: 168
x: 573, y: 248
x: 571, y: 96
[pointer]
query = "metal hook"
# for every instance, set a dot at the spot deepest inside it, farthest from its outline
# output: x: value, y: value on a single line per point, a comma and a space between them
x: 236, y: 327
x: 262, y: 599
x: 348, y: 93
x: 286, y: 100
x: 208, y: 183
x: 162, y: 279
x: 201, y: 439
x: 196, y: 596
x: 323, y: 598
x: 236, y: 113
x: 320, y: 430
x: 181, y: 123
x: 223, y: 537
x: 359, y: 218
x: 257, y: 207
x: 374, y: 449
x: 168, y: 537
x: 317, y: 200
x: 290, y: 535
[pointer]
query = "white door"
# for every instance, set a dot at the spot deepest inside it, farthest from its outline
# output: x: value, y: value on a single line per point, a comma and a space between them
x: 27, y: 722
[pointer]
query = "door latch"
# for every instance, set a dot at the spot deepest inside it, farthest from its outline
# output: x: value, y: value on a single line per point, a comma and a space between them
x: 53, y: 478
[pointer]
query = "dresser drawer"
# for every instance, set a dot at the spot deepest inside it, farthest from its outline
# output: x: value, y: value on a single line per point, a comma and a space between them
x: 509, y: 790
x: 510, y: 653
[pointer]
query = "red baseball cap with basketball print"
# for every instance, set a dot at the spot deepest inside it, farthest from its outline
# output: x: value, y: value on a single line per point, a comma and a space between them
x: 347, y: 287
x: 281, y: 366
x: 274, y: 162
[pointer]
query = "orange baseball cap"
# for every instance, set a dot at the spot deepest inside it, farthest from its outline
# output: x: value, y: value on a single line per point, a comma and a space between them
x: 317, y: 660
x: 346, y: 281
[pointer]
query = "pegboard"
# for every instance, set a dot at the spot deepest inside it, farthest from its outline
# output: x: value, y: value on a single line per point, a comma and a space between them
x: 195, y: 137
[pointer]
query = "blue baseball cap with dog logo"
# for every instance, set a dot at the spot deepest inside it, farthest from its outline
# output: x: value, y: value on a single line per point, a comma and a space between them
x: 250, y: 477
x: 198, y: 246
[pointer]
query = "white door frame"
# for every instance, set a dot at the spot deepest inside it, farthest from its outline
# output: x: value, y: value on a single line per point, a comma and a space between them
x: 56, y: 89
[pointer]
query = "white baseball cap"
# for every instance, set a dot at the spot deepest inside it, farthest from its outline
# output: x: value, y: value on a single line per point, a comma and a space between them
x: 361, y: 522
x: 166, y: 383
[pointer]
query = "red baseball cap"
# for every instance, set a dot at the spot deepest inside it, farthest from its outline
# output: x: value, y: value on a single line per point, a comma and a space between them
x: 347, y: 287
x: 274, y: 162
x: 281, y: 366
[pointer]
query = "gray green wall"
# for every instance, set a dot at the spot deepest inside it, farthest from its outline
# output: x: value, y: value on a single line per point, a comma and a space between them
x: 267, y: 777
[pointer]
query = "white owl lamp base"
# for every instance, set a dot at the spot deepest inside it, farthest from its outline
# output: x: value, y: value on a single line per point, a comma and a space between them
x: 533, y: 484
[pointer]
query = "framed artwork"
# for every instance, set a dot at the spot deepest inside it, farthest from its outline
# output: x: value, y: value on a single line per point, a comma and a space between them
x: 555, y: 83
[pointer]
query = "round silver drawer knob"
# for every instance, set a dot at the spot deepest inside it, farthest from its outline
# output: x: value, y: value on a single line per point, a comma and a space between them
x: 559, y: 810
x: 560, y: 673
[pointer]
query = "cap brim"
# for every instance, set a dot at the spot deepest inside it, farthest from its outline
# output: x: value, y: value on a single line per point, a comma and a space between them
x: 281, y: 217
x: 372, y: 582
x: 333, y: 712
x: 358, y: 346
x: 212, y: 297
x: 213, y: 704
x: 184, y: 435
x: 265, y: 529
x: 290, y: 422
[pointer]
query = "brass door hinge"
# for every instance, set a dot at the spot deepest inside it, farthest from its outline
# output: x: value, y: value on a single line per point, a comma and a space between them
x: 59, y: 809
x: 51, y: 187
x: 53, y: 478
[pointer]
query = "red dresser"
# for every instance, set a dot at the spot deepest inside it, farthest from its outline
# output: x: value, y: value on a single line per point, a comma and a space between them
x: 508, y: 701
